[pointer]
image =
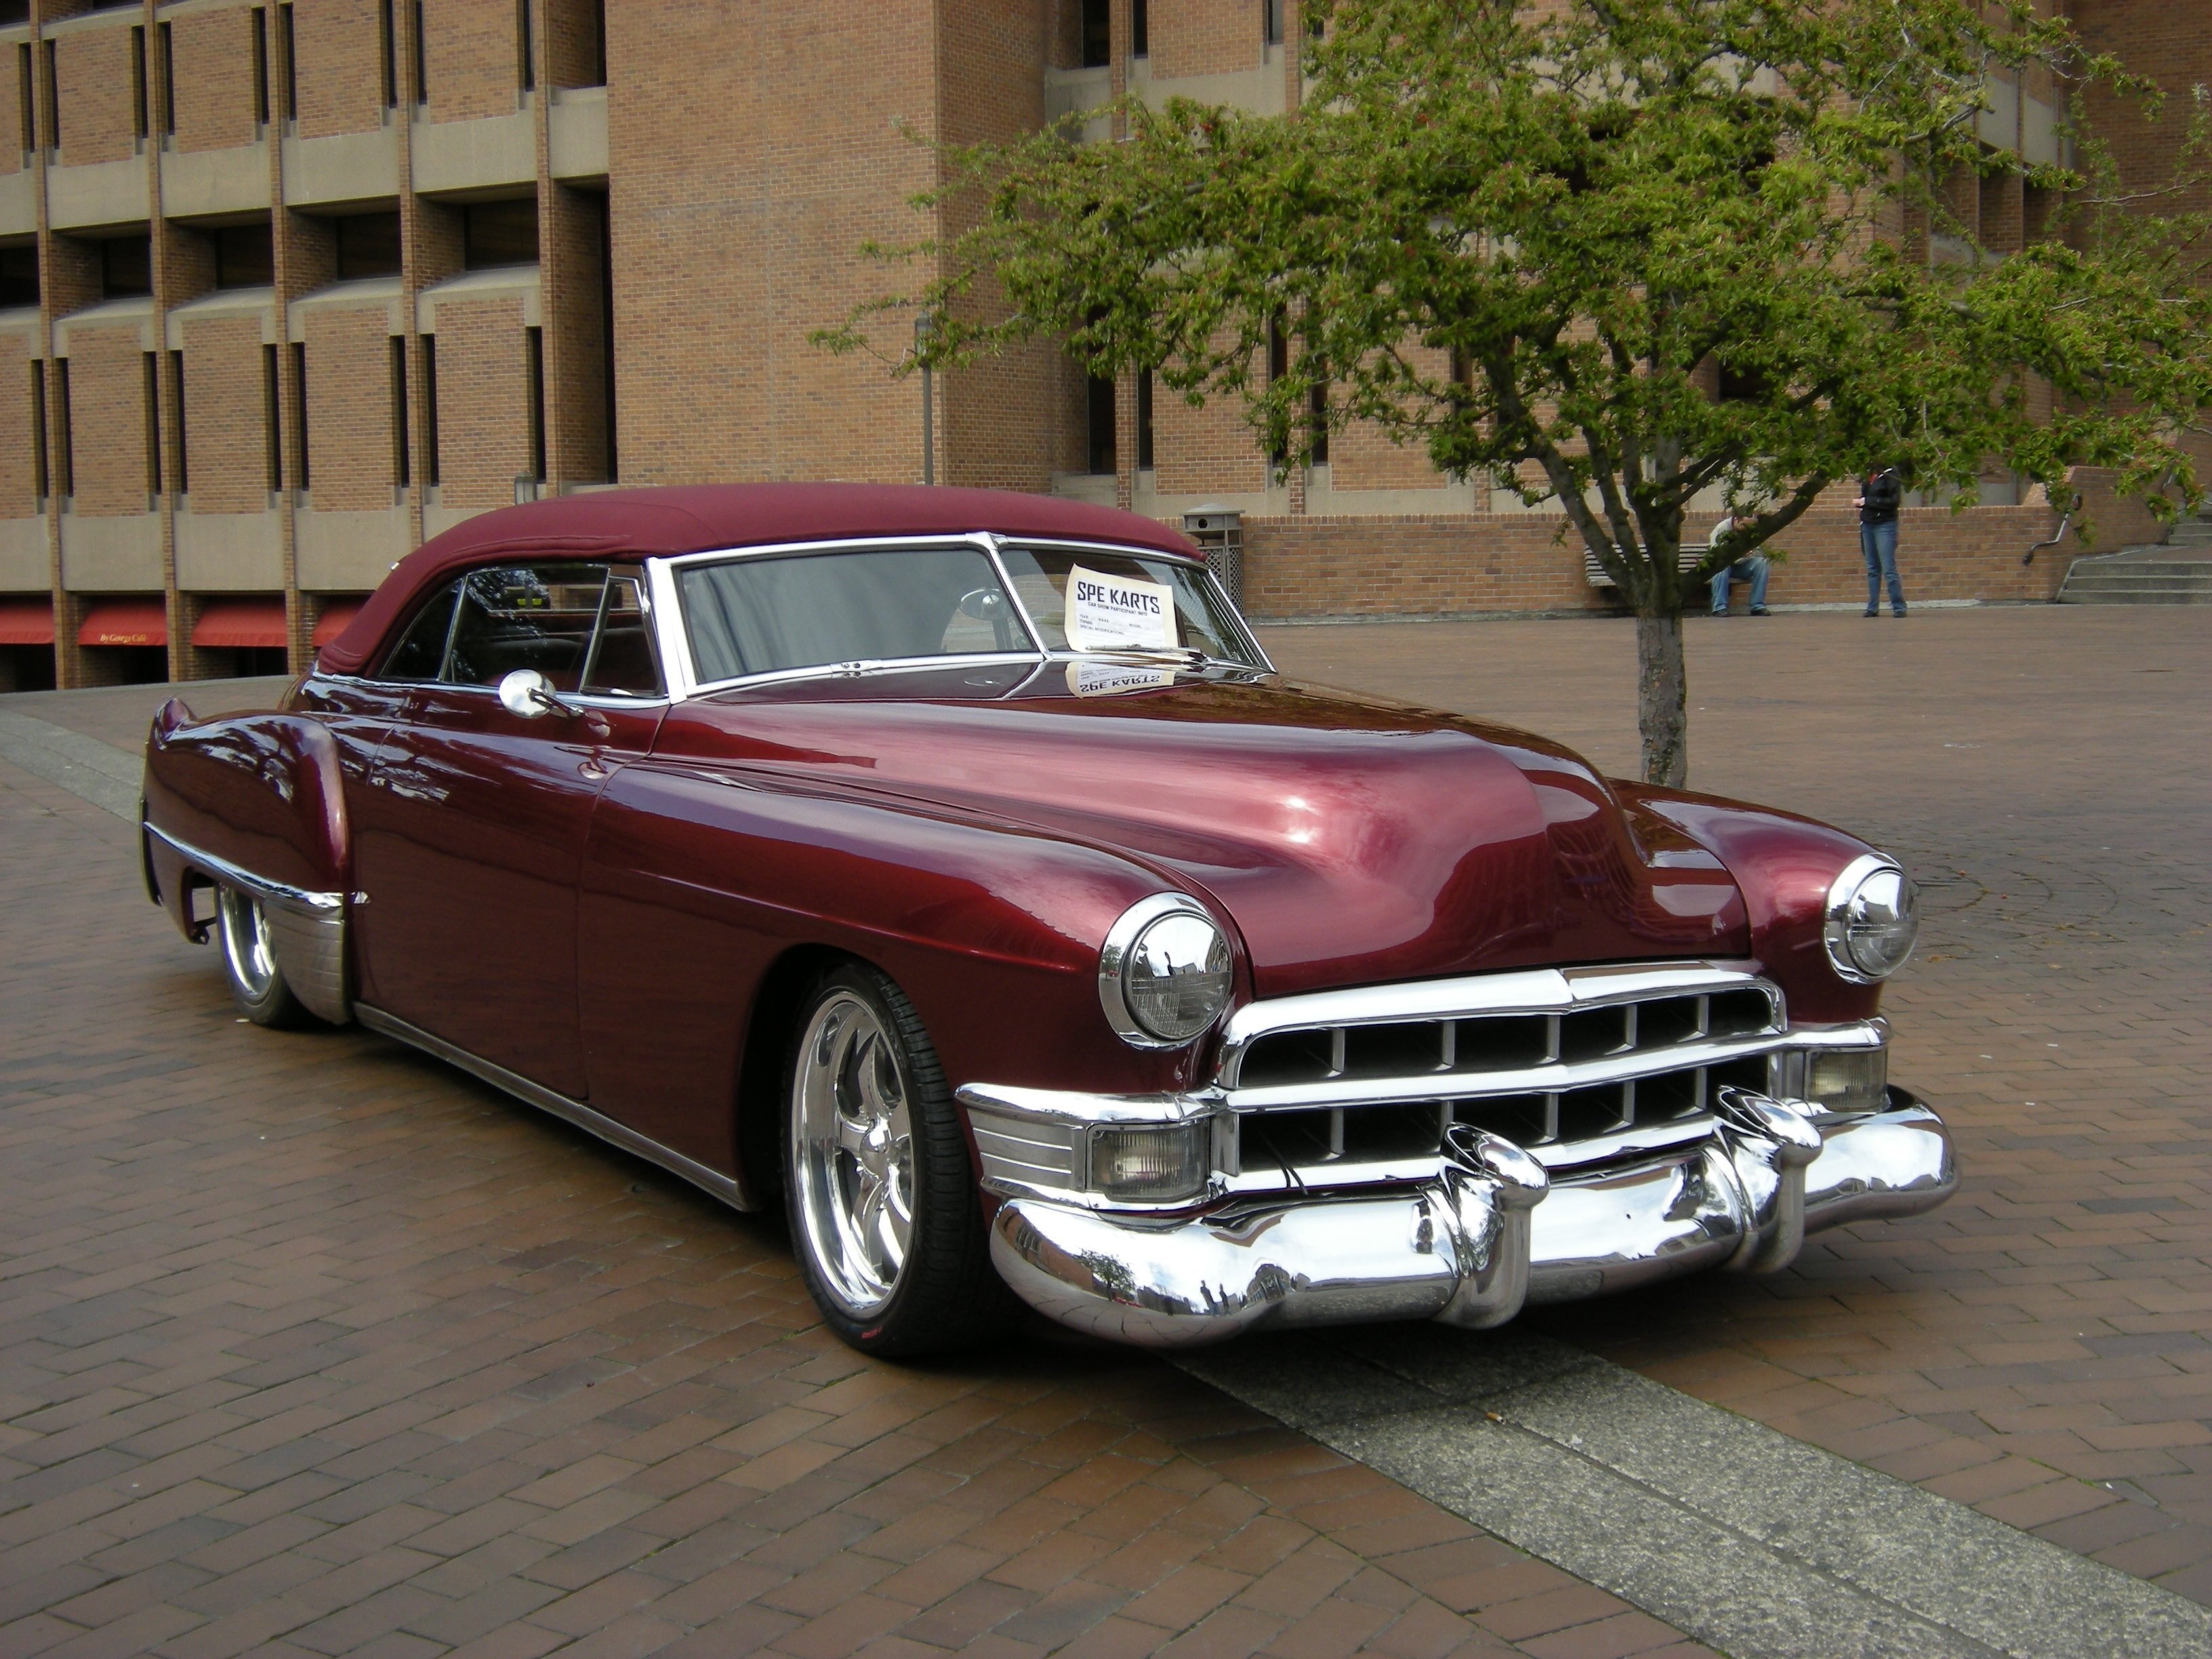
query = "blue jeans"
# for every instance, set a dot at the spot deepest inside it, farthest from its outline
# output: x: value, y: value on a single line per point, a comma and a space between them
x: 1878, y: 545
x: 1752, y: 567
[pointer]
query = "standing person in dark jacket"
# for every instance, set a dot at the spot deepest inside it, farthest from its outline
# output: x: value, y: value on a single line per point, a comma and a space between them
x: 1880, y: 494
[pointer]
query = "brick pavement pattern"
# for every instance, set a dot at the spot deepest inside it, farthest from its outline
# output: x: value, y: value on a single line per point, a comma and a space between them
x: 311, y: 1345
x: 2041, y: 1346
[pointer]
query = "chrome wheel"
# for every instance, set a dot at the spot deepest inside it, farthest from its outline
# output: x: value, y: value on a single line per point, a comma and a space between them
x: 852, y: 1134
x: 245, y: 946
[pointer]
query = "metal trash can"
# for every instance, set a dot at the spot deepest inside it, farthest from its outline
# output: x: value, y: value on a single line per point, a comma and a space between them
x: 1219, y: 532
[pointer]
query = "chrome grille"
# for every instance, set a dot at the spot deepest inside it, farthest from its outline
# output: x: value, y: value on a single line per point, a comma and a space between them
x: 1575, y: 1065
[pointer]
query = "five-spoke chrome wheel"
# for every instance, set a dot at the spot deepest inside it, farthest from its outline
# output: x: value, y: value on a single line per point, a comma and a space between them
x: 853, y: 1141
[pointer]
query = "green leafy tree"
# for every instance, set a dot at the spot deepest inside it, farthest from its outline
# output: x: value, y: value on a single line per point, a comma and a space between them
x: 1539, y: 242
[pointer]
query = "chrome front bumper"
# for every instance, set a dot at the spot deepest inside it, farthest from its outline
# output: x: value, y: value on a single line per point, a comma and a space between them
x: 1490, y: 1234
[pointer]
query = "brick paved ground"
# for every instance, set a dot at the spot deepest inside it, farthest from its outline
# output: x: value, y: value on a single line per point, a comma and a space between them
x: 309, y: 1346
x: 306, y: 1341
x: 2041, y: 1347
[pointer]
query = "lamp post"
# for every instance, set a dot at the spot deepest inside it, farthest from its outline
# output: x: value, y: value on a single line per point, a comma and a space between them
x: 925, y: 325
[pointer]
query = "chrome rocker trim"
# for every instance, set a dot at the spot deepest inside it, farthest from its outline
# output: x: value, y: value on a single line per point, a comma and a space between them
x: 1491, y: 1233
x: 306, y: 929
x: 713, y: 1182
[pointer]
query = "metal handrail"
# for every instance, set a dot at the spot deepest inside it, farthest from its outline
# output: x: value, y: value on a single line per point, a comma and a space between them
x: 2057, y: 535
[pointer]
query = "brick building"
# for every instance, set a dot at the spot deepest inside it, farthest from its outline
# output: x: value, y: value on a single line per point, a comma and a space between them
x: 287, y: 286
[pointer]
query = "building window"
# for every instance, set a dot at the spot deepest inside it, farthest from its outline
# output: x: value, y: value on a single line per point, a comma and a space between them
x: 400, y: 468
x: 260, y: 45
x: 387, y: 51
x: 430, y: 343
x: 126, y: 267
x: 272, y: 444
x: 245, y: 256
x: 1101, y: 409
x: 1279, y: 365
x: 153, y: 426
x: 1317, y: 431
x: 1140, y: 31
x: 25, y: 109
x: 1097, y: 33
x: 534, y: 344
x: 300, y: 413
x: 65, y: 458
x: 368, y: 245
x: 526, y: 68
x: 168, y: 44
x: 1271, y: 22
x: 19, y: 276
x: 138, y: 122
x: 495, y: 233
x: 421, y: 68
x: 289, y: 51
x: 1145, y: 421
x: 177, y: 390
x: 40, y: 482
x: 53, y: 99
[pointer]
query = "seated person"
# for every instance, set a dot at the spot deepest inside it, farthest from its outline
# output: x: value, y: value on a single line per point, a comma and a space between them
x: 1751, y: 568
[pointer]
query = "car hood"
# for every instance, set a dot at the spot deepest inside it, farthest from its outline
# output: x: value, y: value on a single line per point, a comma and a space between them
x: 1350, y: 840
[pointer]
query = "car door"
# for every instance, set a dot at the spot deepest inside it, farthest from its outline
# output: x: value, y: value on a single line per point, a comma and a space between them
x: 469, y: 841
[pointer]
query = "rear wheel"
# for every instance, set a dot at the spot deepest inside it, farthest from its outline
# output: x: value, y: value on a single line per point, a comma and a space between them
x: 249, y: 962
x: 883, y: 1205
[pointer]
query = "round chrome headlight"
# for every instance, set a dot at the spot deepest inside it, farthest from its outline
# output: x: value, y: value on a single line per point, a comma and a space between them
x: 1164, y: 974
x: 1873, y: 916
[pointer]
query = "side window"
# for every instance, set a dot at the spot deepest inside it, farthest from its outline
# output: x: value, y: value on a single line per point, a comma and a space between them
x: 622, y: 662
x: 513, y: 616
x: 421, y: 650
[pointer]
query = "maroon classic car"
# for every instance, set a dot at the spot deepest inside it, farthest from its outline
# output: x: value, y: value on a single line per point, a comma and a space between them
x: 953, y: 868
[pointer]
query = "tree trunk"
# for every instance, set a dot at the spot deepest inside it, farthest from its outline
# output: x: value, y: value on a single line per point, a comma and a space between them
x: 1661, y: 691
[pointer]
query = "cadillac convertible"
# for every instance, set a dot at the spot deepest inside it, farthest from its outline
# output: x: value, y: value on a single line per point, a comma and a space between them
x: 953, y: 869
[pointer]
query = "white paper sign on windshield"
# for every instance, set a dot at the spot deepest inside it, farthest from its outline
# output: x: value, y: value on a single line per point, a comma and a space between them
x: 1114, y: 613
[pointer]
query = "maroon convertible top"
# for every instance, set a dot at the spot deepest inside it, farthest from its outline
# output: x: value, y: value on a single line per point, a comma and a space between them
x: 701, y: 518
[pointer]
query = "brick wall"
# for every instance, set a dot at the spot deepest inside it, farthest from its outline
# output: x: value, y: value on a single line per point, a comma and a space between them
x: 225, y: 415
x: 1515, y: 561
x: 1362, y: 457
x: 107, y: 420
x: 92, y: 70
x: 483, y: 434
x: 213, y: 78
x: 1204, y: 37
x: 18, y: 480
x: 11, y: 108
x: 338, y: 74
x: 2172, y: 44
x: 473, y: 58
x: 1207, y: 451
x: 349, y: 408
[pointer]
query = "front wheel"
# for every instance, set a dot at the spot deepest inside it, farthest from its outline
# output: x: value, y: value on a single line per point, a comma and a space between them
x: 883, y: 1206
x: 249, y: 962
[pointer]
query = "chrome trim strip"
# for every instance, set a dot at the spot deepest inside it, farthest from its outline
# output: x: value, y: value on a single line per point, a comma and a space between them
x: 713, y: 1182
x: 276, y: 892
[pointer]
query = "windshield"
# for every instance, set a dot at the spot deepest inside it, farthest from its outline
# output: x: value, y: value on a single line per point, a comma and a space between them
x: 760, y: 616
x: 1122, y: 603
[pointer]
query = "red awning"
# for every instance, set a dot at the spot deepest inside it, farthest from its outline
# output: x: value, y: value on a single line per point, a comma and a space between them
x: 27, y: 621
x: 241, y: 622
x: 125, y: 622
x: 337, y: 613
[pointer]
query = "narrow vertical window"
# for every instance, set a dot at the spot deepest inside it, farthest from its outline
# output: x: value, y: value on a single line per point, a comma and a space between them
x: 139, y: 121
x: 599, y: 44
x: 535, y: 340
x: 177, y: 387
x: 399, y: 464
x: 167, y: 42
x: 1141, y: 33
x: 525, y: 71
x: 421, y: 59
x: 272, y: 439
x: 1318, y: 431
x: 65, y: 441
x: 53, y: 97
x: 300, y: 412
x: 429, y: 347
x: 38, y: 478
x: 1145, y: 421
x: 153, y: 424
x: 1097, y: 33
x: 387, y: 48
x: 1101, y: 406
x: 27, y: 110
x: 260, y: 66
x: 287, y: 52
x: 1271, y: 22
x: 607, y: 327
x: 1279, y: 365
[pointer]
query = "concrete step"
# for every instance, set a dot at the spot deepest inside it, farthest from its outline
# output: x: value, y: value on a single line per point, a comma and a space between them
x: 2139, y: 575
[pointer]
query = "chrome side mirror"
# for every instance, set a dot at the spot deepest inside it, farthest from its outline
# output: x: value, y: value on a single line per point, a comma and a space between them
x: 983, y: 604
x: 526, y: 694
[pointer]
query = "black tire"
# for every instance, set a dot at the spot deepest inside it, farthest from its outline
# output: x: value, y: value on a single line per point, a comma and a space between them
x: 249, y: 965
x: 945, y: 1293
